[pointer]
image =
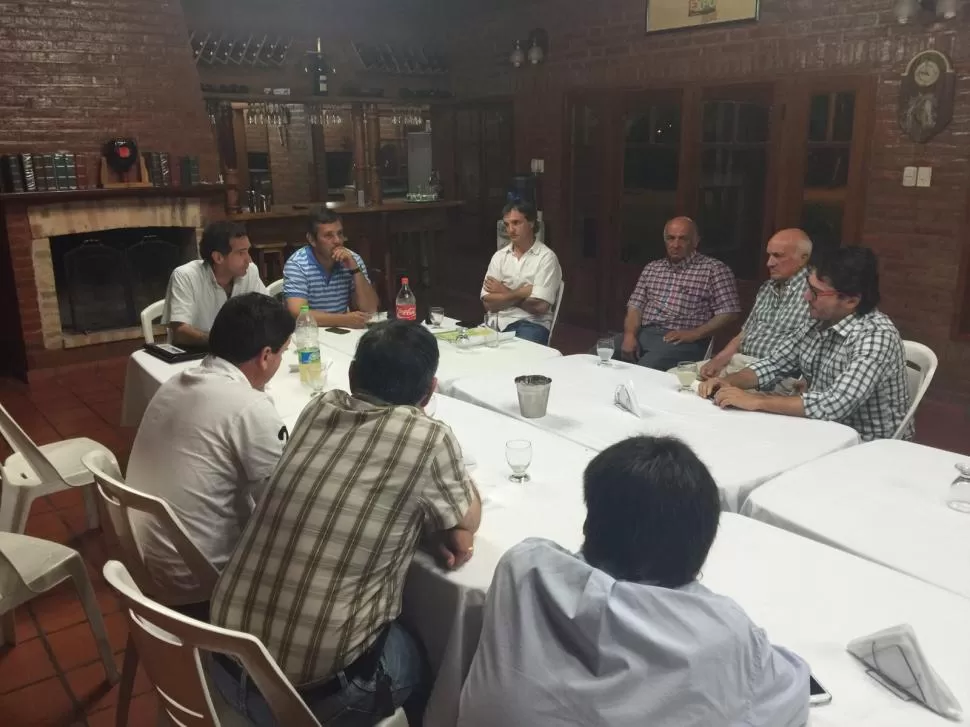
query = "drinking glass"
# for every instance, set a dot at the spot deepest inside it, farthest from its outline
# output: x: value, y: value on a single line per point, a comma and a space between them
x: 686, y: 374
x: 604, y: 349
x: 437, y: 317
x: 958, y: 498
x: 518, y: 453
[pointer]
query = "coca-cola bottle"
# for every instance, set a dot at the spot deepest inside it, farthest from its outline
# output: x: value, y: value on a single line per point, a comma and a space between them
x: 406, y: 308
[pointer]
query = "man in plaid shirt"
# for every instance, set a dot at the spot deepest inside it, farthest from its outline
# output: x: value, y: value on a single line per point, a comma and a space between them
x: 678, y: 304
x: 852, y: 357
x: 779, y: 311
x: 319, y: 572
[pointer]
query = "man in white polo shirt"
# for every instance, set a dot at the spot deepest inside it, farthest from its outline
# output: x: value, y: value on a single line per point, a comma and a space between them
x: 198, y: 289
x: 523, y: 278
x: 211, y: 437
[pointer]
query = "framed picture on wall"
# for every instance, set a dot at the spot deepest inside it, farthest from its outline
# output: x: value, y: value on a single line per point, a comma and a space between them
x: 680, y: 14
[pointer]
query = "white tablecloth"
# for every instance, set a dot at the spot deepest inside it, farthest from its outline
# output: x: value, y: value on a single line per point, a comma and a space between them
x: 455, y: 364
x: 811, y: 598
x: 883, y: 500
x: 742, y: 449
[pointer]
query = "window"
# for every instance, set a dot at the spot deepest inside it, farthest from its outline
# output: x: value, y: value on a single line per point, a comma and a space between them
x: 731, y: 189
x: 651, y: 163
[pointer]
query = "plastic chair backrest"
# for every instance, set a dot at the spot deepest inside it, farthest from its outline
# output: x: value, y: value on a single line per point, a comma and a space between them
x: 19, y: 442
x: 555, y: 313
x: 148, y: 317
x: 921, y: 365
x: 119, y: 500
x: 168, y: 645
x: 275, y: 289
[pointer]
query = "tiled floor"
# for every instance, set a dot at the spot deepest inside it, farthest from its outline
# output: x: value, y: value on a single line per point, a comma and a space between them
x: 70, y: 689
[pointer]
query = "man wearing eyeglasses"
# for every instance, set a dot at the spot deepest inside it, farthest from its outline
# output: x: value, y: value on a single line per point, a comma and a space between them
x: 678, y: 303
x: 852, y: 357
x: 328, y: 277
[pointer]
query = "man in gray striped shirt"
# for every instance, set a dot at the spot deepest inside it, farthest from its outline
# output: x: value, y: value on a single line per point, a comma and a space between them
x: 779, y: 311
x: 318, y: 573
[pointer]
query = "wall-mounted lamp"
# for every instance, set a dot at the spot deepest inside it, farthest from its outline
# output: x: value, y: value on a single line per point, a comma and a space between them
x: 538, y: 45
x: 909, y: 10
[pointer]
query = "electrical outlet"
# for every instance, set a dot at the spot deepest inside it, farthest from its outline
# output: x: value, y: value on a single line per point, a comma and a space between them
x: 909, y: 176
x: 924, y: 176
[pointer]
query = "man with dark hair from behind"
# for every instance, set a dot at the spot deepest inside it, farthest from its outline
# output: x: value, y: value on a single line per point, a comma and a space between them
x: 852, y: 358
x: 199, y: 289
x: 211, y: 437
x: 319, y: 571
x: 523, y: 278
x: 623, y: 634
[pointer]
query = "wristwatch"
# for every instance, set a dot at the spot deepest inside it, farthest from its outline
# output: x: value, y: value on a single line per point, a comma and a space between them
x: 353, y: 271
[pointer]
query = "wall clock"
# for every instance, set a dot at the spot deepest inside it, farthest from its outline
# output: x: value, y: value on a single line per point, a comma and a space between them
x: 926, y: 95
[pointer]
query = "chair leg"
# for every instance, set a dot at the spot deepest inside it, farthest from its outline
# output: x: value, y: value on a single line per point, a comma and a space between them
x: 75, y: 567
x: 128, y: 671
x: 14, y: 508
x: 8, y: 628
x: 91, y: 507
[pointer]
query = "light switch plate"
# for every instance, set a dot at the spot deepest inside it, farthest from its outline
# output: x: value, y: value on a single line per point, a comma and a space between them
x: 909, y: 176
x: 924, y: 175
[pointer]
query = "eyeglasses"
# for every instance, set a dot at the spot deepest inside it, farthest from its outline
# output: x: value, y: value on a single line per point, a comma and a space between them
x: 816, y: 293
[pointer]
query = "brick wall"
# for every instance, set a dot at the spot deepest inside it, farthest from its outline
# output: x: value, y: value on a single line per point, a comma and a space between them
x: 77, y: 73
x: 918, y: 233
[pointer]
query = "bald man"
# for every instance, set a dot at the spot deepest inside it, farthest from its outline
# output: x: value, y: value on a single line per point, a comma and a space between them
x: 678, y: 303
x: 780, y: 309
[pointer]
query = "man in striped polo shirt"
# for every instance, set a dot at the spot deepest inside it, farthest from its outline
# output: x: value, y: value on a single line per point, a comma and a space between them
x: 328, y: 277
x: 319, y: 572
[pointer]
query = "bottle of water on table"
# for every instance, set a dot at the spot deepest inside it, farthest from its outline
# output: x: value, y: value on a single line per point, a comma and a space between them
x: 307, y: 340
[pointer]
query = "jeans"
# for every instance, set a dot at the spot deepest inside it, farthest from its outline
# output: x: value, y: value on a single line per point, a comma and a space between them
x: 529, y: 331
x: 354, y: 705
x: 655, y: 353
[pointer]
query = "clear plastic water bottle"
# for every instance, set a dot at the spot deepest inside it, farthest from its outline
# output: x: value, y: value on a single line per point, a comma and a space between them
x: 406, y: 305
x: 491, y: 335
x: 307, y: 340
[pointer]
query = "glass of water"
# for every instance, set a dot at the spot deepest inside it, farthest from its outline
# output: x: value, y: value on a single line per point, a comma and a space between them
x: 686, y: 374
x: 437, y: 317
x: 604, y: 349
x: 518, y: 453
x: 958, y: 498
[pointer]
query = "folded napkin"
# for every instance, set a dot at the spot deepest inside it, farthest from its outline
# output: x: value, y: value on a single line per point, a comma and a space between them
x: 895, y: 655
x: 626, y: 398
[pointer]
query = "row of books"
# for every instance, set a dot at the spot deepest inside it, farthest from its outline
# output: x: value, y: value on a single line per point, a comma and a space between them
x: 62, y: 170
x: 44, y: 172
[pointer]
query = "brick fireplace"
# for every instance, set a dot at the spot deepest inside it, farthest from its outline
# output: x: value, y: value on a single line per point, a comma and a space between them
x: 96, y: 217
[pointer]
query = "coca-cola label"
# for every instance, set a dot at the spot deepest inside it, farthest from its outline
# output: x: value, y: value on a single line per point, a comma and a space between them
x: 407, y: 312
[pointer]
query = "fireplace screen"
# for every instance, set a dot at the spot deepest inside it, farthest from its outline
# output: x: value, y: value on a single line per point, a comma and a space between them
x: 104, y: 280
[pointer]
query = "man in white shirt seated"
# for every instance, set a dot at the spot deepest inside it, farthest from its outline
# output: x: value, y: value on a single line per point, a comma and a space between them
x: 211, y: 437
x: 623, y: 634
x: 523, y: 278
x: 199, y: 289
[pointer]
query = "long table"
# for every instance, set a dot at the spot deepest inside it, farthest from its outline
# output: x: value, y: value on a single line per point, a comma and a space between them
x: 742, y: 449
x: 145, y: 373
x: 884, y: 501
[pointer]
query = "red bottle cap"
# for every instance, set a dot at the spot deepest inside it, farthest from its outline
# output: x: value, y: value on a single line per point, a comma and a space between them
x: 404, y: 281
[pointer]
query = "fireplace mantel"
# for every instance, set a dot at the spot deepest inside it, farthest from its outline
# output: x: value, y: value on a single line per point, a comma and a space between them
x: 79, y: 195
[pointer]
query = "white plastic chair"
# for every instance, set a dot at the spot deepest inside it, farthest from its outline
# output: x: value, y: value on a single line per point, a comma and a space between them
x: 32, y: 472
x: 148, y: 317
x: 170, y: 644
x: 119, y: 500
x: 921, y: 365
x: 32, y: 566
x: 275, y: 289
x: 555, y: 312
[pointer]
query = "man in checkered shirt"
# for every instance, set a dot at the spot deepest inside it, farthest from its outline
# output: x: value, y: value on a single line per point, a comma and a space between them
x: 852, y: 357
x: 319, y: 572
x: 678, y: 304
x: 779, y: 311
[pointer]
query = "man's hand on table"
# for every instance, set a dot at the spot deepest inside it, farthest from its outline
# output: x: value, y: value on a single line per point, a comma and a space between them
x: 713, y: 368
x: 707, y: 389
x: 355, y: 319
x: 732, y: 396
x: 453, y: 548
